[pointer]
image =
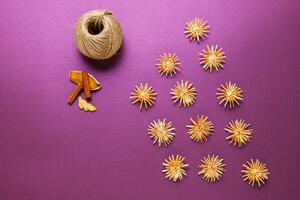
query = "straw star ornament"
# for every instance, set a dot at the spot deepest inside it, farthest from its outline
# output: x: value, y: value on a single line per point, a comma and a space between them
x: 184, y: 93
x: 212, y: 168
x: 200, y: 129
x: 161, y: 132
x: 230, y: 94
x: 144, y: 95
x: 212, y: 58
x: 255, y: 172
x: 196, y: 30
x: 174, y: 167
x: 239, y: 132
x: 168, y: 64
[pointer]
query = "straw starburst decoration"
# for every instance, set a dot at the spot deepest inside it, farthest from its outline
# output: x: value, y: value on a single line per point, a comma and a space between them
x: 212, y: 168
x: 200, y: 129
x: 229, y: 94
x: 184, y: 93
x: 168, y: 64
x: 212, y: 58
x: 161, y: 132
x: 239, y: 132
x: 143, y: 94
x: 255, y: 172
x: 174, y: 167
x: 196, y: 29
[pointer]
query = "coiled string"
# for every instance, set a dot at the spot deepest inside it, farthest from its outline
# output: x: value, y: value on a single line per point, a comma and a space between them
x: 98, y: 34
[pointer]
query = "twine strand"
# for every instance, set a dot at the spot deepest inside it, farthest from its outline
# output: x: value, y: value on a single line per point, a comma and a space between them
x: 98, y: 21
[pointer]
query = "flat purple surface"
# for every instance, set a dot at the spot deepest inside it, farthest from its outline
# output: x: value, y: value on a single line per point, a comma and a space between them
x: 49, y: 150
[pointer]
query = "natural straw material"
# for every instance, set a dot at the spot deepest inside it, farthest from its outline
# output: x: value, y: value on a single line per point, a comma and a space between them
x: 98, y: 34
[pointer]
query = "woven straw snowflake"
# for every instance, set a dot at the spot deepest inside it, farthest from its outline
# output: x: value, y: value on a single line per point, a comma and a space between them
x: 212, y: 58
x: 161, y: 132
x: 174, y: 168
x: 239, y: 132
x: 196, y: 30
x: 230, y: 94
x: 143, y: 94
x: 168, y: 64
x: 184, y: 93
x: 255, y: 172
x: 200, y: 129
x: 212, y: 168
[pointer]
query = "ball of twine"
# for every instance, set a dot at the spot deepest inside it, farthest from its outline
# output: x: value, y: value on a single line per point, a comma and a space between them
x: 98, y: 34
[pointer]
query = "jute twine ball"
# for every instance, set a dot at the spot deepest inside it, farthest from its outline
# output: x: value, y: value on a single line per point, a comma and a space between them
x: 98, y: 34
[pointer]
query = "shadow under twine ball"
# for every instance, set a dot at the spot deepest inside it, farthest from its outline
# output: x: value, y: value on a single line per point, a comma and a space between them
x: 98, y: 34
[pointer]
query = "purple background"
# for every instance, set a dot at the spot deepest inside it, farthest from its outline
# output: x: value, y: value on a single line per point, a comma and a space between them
x: 50, y: 150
